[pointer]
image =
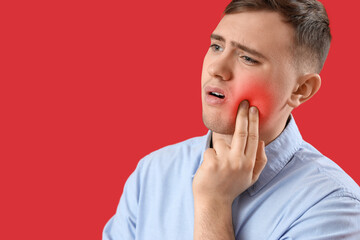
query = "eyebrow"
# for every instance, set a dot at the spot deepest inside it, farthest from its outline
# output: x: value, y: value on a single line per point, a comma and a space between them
x: 238, y: 45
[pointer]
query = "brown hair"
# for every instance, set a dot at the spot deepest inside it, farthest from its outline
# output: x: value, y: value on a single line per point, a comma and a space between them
x: 310, y: 21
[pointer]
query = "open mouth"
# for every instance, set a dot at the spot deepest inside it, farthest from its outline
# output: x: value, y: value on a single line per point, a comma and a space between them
x: 218, y: 95
x: 215, y: 96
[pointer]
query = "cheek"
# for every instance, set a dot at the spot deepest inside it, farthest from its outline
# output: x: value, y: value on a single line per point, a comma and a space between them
x: 258, y: 93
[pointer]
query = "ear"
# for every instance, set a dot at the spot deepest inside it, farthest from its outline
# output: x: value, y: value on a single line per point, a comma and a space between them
x: 305, y: 88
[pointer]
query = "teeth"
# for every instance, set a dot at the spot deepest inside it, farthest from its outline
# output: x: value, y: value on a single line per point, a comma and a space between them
x: 217, y: 94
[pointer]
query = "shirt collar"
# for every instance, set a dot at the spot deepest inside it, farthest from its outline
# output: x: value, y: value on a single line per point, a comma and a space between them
x: 208, y: 138
x: 279, y: 152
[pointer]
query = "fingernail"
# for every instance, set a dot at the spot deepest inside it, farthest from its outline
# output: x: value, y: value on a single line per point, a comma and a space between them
x: 253, y: 109
x: 244, y: 104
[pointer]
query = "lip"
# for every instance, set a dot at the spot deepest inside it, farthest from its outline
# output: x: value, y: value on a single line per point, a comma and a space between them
x: 212, y: 100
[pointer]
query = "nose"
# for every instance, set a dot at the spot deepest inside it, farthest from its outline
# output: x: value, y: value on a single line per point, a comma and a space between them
x: 221, y: 68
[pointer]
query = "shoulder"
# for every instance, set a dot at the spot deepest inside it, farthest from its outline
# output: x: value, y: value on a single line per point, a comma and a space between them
x: 325, y: 173
x: 184, y: 154
x: 183, y: 148
x: 323, y: 197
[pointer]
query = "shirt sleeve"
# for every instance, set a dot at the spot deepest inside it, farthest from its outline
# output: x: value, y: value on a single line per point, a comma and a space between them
x: 122, y: 226
x: 333, y: 218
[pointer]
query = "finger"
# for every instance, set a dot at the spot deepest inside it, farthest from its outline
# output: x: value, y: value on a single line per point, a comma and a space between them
x: 238, y: 142
x: 220, y: 147
x: 209, y: 153
x: 253, y: 135
x: 260, y: 162
x: 210, y: 160
x: 209, y: 156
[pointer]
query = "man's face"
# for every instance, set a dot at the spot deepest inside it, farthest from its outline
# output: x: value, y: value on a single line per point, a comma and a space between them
x: 249, y: 58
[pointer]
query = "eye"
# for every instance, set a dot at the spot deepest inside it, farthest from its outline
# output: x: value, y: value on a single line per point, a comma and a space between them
x: 249, y: 60
x: 216, y: 47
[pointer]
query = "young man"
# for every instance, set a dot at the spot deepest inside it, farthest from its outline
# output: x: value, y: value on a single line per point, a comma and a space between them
x: 264, y: 61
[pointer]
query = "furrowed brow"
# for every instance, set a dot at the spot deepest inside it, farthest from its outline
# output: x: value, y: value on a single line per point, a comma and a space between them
x: 248, y: 49
x: 239, y: 46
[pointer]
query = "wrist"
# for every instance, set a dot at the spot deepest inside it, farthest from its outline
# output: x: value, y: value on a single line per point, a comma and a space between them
x: 213, y: 218
x: 212, y: 205
x: 212, y: 202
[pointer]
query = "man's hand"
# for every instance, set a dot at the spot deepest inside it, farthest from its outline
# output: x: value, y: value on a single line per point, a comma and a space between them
x: 226, y: 172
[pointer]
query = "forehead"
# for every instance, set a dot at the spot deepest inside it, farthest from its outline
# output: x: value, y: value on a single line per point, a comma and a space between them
x: 263, y: 30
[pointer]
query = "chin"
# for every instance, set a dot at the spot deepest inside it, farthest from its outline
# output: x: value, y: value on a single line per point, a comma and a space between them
x: 219, y: 125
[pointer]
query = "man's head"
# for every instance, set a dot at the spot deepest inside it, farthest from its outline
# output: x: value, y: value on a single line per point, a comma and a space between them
x: 268, y: 52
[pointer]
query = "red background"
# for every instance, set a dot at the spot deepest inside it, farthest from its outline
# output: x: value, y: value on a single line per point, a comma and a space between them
x: 90, y: 87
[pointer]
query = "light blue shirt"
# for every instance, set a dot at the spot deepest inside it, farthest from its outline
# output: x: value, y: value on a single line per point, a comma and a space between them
x: 300, y: 194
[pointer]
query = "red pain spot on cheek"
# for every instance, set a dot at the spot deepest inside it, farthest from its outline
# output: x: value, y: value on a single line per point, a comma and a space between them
x: 257, y: 93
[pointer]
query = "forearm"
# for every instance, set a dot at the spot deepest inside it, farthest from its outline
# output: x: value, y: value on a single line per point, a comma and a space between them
x: 213, y: 221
